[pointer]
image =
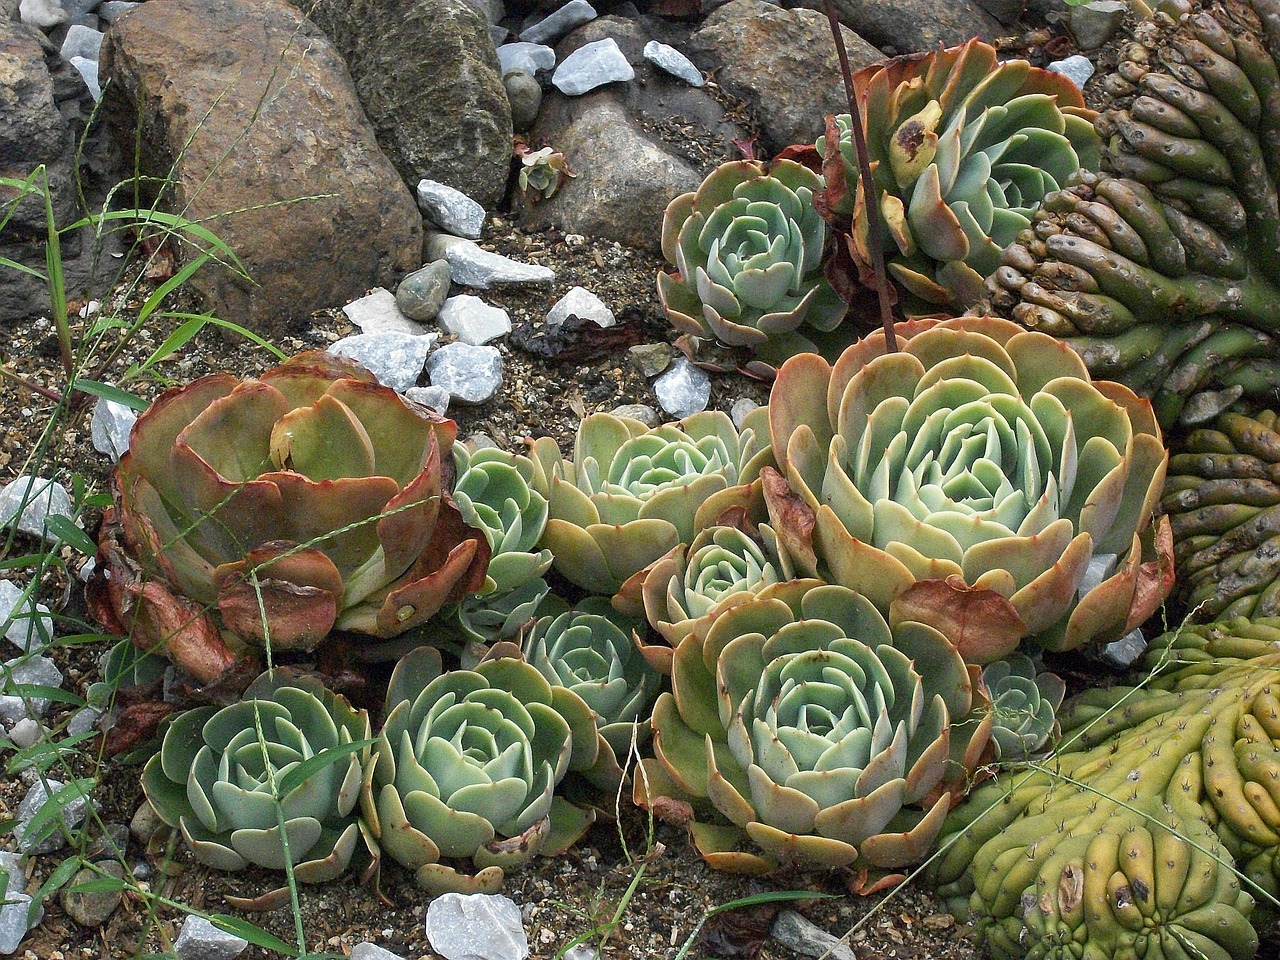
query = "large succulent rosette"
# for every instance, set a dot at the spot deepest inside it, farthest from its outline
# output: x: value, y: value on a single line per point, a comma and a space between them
x: 747, y: 247
x: 631, y: 493
x: 305, y: 500
x: 230, y: 779
x: 822, y: 735
x: 465, y: 767
x: 979, y: 478
x: 963, y: 148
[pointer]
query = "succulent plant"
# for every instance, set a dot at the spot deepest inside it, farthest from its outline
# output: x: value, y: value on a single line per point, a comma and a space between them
x: 1024, y: 706
x: 631, y: 493
x: 978, y: 478
x: 747, y: 247
x: 963, y: 148
x: 302, y: 501
x: 239, y: 780
x: 1126, y: 842
x: 818, y: 731
x: 541, y: 171
x: 465, y: 767
x: 493, y: 493
x: 1222, y: 496
x: 1165, y: 274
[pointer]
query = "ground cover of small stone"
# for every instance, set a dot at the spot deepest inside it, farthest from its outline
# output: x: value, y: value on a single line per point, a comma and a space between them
x: 562, y: 898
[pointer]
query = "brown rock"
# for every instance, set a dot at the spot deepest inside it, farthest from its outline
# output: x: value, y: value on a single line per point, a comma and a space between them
x: 781, y: 63
x: 252, y: 110
x: 917, y: 26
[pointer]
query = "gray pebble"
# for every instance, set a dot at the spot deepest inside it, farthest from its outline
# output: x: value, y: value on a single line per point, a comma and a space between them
x: 650, y: 359
x: 554, y: 26
x: 592, y: 65
x: 472, y: 320
x: 471, y: 266
x: 684, y: 389
x: 201, y: 940
x: 396, y: 359
x: 673, y: 62
x: 379, y: 312
x: 92, y: 909
x: 449, y: 209
x: 581, y: 302
x: 638, y: 411
x: 422, y: 293
x: 525, y: 96
x: 525, y: 57
x: 471, y: 374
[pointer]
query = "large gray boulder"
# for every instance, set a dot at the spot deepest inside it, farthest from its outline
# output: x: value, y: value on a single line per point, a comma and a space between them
x: 429, y: 79
x: 916, y: 26
x: 253, y: 112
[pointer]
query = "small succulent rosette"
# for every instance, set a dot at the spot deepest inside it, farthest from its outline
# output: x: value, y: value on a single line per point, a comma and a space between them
x: 1024, y: 706
x: 238, y: 780
x: 631, y: 493
x: 978, y: 477
x: 817, y: 732
x: 747, y: 247
x: 306, y: 500
x: 465, y: 768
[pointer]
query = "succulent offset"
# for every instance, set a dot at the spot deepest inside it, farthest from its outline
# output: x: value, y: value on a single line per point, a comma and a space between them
x: 1024, y: 706
x: 977, y: 477
x: 465, y: 767
x: 1165, y: 273
x: 236, y: 780
x: 1222, y: 496
x: 1123, y: 842
x: 631, y: 493
x: 818, y: 732
x: 747, y: 247
x: 302, y: 501
x: 963, y: 148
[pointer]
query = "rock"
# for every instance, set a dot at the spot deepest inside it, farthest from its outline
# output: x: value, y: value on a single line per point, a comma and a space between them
x: 525, y: 96
x: 684, y: 389
x: 72, y: 814
x: 1006, y: 11
x: 476, y: 927
x: 582, y: 303
x: 449, y: 209
x: 88, y: 70
x: 201, y: 940
x: 92, y: 909
x: 909, y: 26
x: 1123, y: 652
x: 113, y: 10
x: 145, y: 822
x: 32, y: 500
x: 437, y: 398
x: 396, y: 359
x: 370, y: 951
x: 472, y: 320
x: 554, y: 26
x: 275, y: 115
x: 796, y: 933
x: 37, y: 670
x: 379, y: 312
x: 1092, y: 24
x: 741, y: 407
x: 1075, y: 68
x: 471, y: 374
x: 29, y: 626
x: 422, y: 293
x: 428, y: 76
x: 781, y: 63
x: 82, y: 42
x: 650, y: 359
x: 26, y: 733
x: 111, y: 426
x: 638, y: 411
x: 526, y: 57
x: 673, y: 62
x: 590, y: 66
x: 109, y: 845
x: 82, y: 721
x: 493, y: 11
x: 44, y: 14
x: 471, y: 266
x: 15, y: 906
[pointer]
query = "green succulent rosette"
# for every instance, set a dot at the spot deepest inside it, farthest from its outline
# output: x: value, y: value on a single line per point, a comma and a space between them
x: 977, y: 477
x: 238, y: 780
x: 465, y: 768
x: 1222, y: 497
x: 302, y: 501
x: 747, y: 247
x: 1024, y: 706
x: 964, y: 148
x: 818, y: 732
x: 631, y: 493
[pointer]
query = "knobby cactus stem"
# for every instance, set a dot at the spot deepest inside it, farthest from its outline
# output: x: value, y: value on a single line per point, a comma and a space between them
x: 874, y: 220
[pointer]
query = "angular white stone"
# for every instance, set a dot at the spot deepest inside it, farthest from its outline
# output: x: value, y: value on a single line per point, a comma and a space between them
x: 471, y: 266
x: 30, y: 628
x: 592, y: 65
x: 472, y: 320
x: 41, y: 13
x: 42, y: 497
x: 13, y: 913
x: 581, y: 302
x: 741, y: 407
x: 471, y: 374
x: 554, y: 26
x: 674, y: 62
x: 684, y: 389
x: 26, y: 733
x: 82, y: 41
x: 37, y: 796
x: 437, y: 398
x: 476, y: 927
x: 110, y: 427
x: 525, y: 57
x: 27, y: 670
x: 396, y: 359
x: 371, y: 951
x: 377, y: 312
x: 1076, y: 68
x: 201, y: 940
x: 449, y: 209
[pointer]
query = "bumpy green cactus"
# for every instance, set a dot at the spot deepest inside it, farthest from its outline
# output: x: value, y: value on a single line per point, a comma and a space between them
x: 1122, y: 844
x: 1222, y: 496
x: 1165, y: 276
